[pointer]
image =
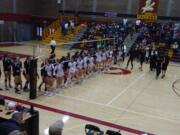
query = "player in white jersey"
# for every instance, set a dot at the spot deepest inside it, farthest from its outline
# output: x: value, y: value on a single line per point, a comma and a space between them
x: 49, y: 68
x: 59, y: 73
x: 91, y: 64
x: 110, y: 57
x: 80, y: 67
x: 70, y: 70
x: 103, y: 59
x: 119, y: 57
x: 98, y: 60
x: 85, y: 64
x: 43, y: 75
x: 74, y: 69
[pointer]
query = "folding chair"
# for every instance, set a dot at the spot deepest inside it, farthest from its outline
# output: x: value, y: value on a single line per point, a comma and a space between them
x: 111, y: 132
x: 93, y: 130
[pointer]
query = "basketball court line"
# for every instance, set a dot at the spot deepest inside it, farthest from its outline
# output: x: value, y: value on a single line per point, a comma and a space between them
x: 174, y: 87
x: 175, y: 65
x: 134, y: 99
x: 120, y: 109
x: 126, y: 89
x: 78, y: 116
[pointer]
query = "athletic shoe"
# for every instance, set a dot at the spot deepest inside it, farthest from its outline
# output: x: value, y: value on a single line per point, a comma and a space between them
x: 17, y: 91
x: 46, y: 93
x: 51, y: 94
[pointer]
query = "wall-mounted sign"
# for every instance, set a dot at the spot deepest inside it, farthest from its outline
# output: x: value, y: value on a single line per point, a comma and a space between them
x: 148, y: 10
x: 110, y: 14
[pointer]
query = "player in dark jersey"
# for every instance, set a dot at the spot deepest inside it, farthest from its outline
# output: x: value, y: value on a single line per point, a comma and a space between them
x: 142, y: 57
x: 26, y: 73
x: 7, y: 64
x: 158, y: 66
x: 165, y: 64
x: 131, y: 57
x: 153, y: 59
x: 17, y: 67
x: 65, y: 62
x: 43, y: 75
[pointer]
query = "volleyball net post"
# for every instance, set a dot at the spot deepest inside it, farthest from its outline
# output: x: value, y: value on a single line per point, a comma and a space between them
x: 33, y: 73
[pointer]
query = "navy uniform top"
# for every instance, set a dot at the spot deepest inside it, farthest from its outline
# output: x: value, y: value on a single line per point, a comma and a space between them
x: 7, y: 63
x: 27, y: 66
x: 17, y: 66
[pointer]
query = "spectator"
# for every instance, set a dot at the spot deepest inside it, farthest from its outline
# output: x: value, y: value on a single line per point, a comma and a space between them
x: 63, y: 28
x: 66, y: 26
x: 175, y: 47
x: 125, y: 20
x: 56, y: 128
x: 13, y: 124
x: 72, y: 25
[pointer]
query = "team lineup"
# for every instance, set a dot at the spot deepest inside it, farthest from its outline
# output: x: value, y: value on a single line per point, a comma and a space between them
x: 73, y: 69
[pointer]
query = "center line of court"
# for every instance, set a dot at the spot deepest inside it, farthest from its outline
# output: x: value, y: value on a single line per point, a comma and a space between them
x: 122, y: 92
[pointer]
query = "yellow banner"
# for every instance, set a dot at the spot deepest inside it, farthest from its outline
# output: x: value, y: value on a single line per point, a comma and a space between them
x: 148, y: 17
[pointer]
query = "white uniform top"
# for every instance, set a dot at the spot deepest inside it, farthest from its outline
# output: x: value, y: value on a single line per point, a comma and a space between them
x: 70, y: 66
x: 147, y: 52
x: 66, y: 26
x: 72, y: 24
x: 111, y: 54
x: 119, y: 55
x: 107, y: 54
x: 138, y: 22
x: 125, y: 48
x: 53, y: 43
x: 74, y: 66
x: 49, y: 68
x: 91, y: 61
x: 58, y: 70
x: 85, y: 62
x: 125, y: 20
x: 104, y: 56
x: 80, y: 63
x: 98, y: 57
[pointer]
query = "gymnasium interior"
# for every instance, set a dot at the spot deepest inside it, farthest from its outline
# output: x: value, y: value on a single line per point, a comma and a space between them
x: 106, y: 67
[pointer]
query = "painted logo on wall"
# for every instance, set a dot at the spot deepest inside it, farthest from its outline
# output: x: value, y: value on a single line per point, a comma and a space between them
x: 148, y: 10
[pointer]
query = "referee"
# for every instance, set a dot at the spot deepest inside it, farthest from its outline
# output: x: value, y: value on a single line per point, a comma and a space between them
x: 53, y: 45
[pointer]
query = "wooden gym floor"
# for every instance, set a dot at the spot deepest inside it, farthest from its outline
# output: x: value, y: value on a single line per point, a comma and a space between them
x: 135, y: 101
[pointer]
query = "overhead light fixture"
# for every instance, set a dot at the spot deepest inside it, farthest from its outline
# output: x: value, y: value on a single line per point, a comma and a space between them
x: 59, y: 1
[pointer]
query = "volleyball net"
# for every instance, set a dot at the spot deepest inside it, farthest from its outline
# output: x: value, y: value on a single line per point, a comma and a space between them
x: 44, y: 51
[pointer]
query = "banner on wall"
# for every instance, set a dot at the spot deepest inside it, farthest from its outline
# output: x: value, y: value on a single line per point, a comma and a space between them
x: 148, y: 10
x: 110, y: 14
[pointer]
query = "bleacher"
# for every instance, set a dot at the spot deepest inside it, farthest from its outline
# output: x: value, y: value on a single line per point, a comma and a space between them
x: 54, y: 30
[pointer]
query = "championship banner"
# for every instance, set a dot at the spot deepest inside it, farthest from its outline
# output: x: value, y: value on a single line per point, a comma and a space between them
x: 148, y: 10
